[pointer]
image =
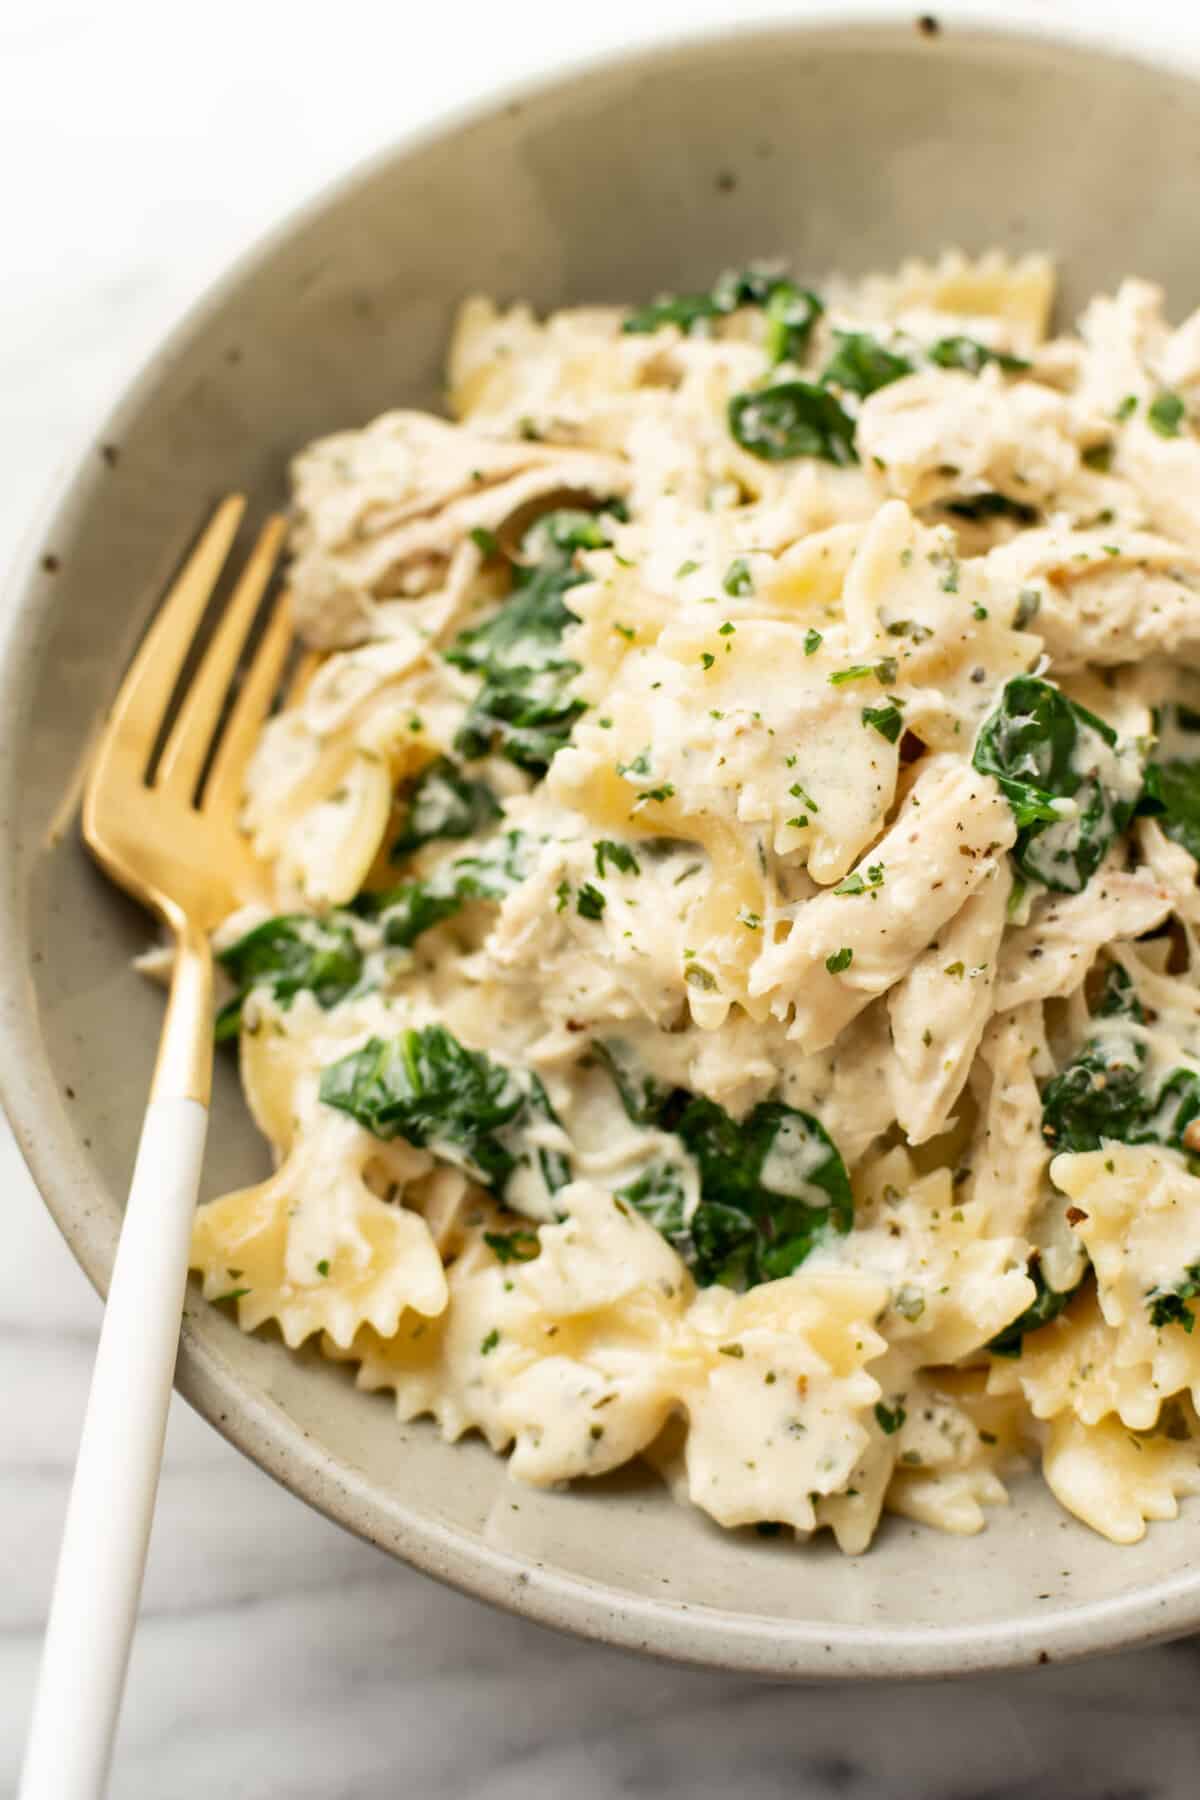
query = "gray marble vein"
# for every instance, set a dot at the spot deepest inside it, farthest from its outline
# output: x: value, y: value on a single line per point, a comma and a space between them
x: 277, y: 1656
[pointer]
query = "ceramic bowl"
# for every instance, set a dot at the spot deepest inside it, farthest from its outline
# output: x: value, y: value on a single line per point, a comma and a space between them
x: 832, y: 144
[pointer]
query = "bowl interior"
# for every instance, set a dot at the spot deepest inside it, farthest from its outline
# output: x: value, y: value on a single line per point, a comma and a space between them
x: 847, y: 148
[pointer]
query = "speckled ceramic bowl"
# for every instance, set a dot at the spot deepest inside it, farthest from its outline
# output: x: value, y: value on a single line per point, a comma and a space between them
x: 832, y: 144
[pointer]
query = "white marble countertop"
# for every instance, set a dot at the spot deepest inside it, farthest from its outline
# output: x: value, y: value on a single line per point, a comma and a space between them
x: 277, y: 1656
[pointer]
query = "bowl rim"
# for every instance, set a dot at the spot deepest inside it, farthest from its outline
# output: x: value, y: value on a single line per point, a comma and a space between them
x: 585, y: 1607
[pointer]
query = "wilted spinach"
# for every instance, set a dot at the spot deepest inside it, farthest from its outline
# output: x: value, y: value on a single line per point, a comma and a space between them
x: 793, y: 418
x: 286, y: 955
x: 426, y: 1087
x: 862, y: 365
x: 770, y: 1186
x: 525, y: 708
x: 1064, y: 775
x: 969, y: 354
x: 412, y: 907
x: 791, y: 311
x: 444, y: 803
x: 1172, y: 789
x: 1101, y: 1093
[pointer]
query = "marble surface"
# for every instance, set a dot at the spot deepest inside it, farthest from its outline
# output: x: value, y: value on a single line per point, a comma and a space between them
x: 276, y: 1655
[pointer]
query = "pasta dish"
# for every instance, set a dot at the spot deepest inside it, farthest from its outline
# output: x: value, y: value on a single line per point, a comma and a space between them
x: 728, y: 985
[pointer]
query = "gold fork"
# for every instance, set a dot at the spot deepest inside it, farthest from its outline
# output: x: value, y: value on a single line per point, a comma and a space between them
x: 176, y: 847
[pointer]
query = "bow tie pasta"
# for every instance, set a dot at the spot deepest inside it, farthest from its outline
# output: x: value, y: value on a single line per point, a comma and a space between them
x: 731, y: 992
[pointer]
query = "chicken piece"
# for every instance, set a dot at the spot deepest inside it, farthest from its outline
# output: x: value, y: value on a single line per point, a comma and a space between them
x: 939, y: 1010
x: 873, y: 926
x: 380, y: 512
x: 1166, y: 473
x: 1105, y: 596
x: 1051, y: 956
x: 940, y: 433
x: 1009, y: 1157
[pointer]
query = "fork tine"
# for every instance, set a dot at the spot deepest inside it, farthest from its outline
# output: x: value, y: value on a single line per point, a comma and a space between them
x: 306, y: 667
x: 222, y: 790
x: 145, y: 693
x: 187, y: 748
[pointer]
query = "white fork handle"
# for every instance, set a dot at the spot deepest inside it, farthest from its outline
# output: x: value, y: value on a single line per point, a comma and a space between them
x: 103, y: 1554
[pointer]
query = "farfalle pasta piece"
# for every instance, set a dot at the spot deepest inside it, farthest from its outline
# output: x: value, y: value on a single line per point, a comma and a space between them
x: 777, y: 1402
x: 315, y: 1249
x: 1137, y: 1214
x: 948, y: 1448
x: 951, y: 1285
x: 1013, y: 293
x: 1117, y: 1481
x: 1070, y: 1366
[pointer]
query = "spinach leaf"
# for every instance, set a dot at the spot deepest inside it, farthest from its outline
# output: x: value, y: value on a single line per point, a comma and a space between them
x: 1172, y: 1306
x: 425, y: 1087
x: 770, y: 1187
x: 527, y: 715
x: 862, y: 365
x: 1061, y: 770
x: 1099, y: 1093
x: 512, y: 1246
x: 658, y: 1194
x: 969, y: 354
x: 980, y: 507
x: 444, y: 803
x: 412, y: 907
x: 1046, y: 1305
x: 1172, y: 790
x: 793, y: 418
x: 791, y: 311
x: 643, y: 1098
x: 524, y: 708
x: 286, y: 955
x: 791, y: 314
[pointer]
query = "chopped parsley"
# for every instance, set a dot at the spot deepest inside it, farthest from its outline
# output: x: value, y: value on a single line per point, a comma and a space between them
x: 839, y: 960
x: 738, y: 579
x: 1172, y: 1306
x: 886, y: 720
x: 1166, y: 413
x: 621, y: 857
x: 590, y: 902
x: 861, y: 882
x: 889, y: 1419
